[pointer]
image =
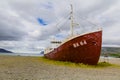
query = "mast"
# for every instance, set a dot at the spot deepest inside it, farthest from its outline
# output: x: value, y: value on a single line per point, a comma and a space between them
x: 71, y: 18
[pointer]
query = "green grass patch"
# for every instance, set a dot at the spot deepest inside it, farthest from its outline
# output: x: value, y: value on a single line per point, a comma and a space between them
x: 76, y: 65
x: 117, y: 55
x: 104, y: 64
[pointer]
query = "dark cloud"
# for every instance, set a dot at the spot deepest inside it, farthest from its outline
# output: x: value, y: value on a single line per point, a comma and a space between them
x: 10, y: 32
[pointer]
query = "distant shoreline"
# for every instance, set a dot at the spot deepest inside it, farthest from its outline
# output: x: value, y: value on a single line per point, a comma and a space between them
x: 20, y: 54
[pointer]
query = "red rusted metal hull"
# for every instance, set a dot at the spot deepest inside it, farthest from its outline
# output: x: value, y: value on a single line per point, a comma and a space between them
x: 84, y: 49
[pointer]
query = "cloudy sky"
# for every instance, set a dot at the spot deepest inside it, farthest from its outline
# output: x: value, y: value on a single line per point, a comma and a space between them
x: 29, y: 25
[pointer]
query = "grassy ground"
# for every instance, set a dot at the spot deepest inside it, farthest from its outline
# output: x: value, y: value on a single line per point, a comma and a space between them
x: 80, y: 65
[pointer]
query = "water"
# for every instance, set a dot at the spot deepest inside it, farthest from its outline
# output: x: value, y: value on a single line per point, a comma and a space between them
x: 21, y: 54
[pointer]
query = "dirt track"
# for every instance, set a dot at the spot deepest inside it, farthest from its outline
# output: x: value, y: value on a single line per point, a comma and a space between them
x: 31, y: 68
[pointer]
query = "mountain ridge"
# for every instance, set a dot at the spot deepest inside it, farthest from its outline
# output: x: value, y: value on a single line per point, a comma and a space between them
x: 5, y: 51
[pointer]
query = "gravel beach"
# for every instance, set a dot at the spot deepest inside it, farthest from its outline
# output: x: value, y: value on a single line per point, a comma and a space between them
x: 33, y: 68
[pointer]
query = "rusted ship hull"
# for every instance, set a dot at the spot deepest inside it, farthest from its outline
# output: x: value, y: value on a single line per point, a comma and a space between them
x: 81, y: 49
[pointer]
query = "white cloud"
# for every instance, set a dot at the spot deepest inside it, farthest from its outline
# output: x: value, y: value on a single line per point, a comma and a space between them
x: 19, y: 28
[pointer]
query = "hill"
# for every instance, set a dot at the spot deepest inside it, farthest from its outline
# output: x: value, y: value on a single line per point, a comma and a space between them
x: 110, y: 49
x: 4, y: 51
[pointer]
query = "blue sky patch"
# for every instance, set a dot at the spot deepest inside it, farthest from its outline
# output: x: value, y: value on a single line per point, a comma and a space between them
x: 42, y: 22
x: 59, y: 36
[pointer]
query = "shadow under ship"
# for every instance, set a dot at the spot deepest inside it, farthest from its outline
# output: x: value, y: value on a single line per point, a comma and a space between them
x: 84, y: 48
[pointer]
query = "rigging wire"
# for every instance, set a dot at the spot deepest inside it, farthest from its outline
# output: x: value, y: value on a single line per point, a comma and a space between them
x: 65, y: 16
x: 60, y: 21
x: 83, y: 18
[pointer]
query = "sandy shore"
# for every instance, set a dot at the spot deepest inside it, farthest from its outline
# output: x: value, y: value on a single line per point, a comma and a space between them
x: 32, y: 68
